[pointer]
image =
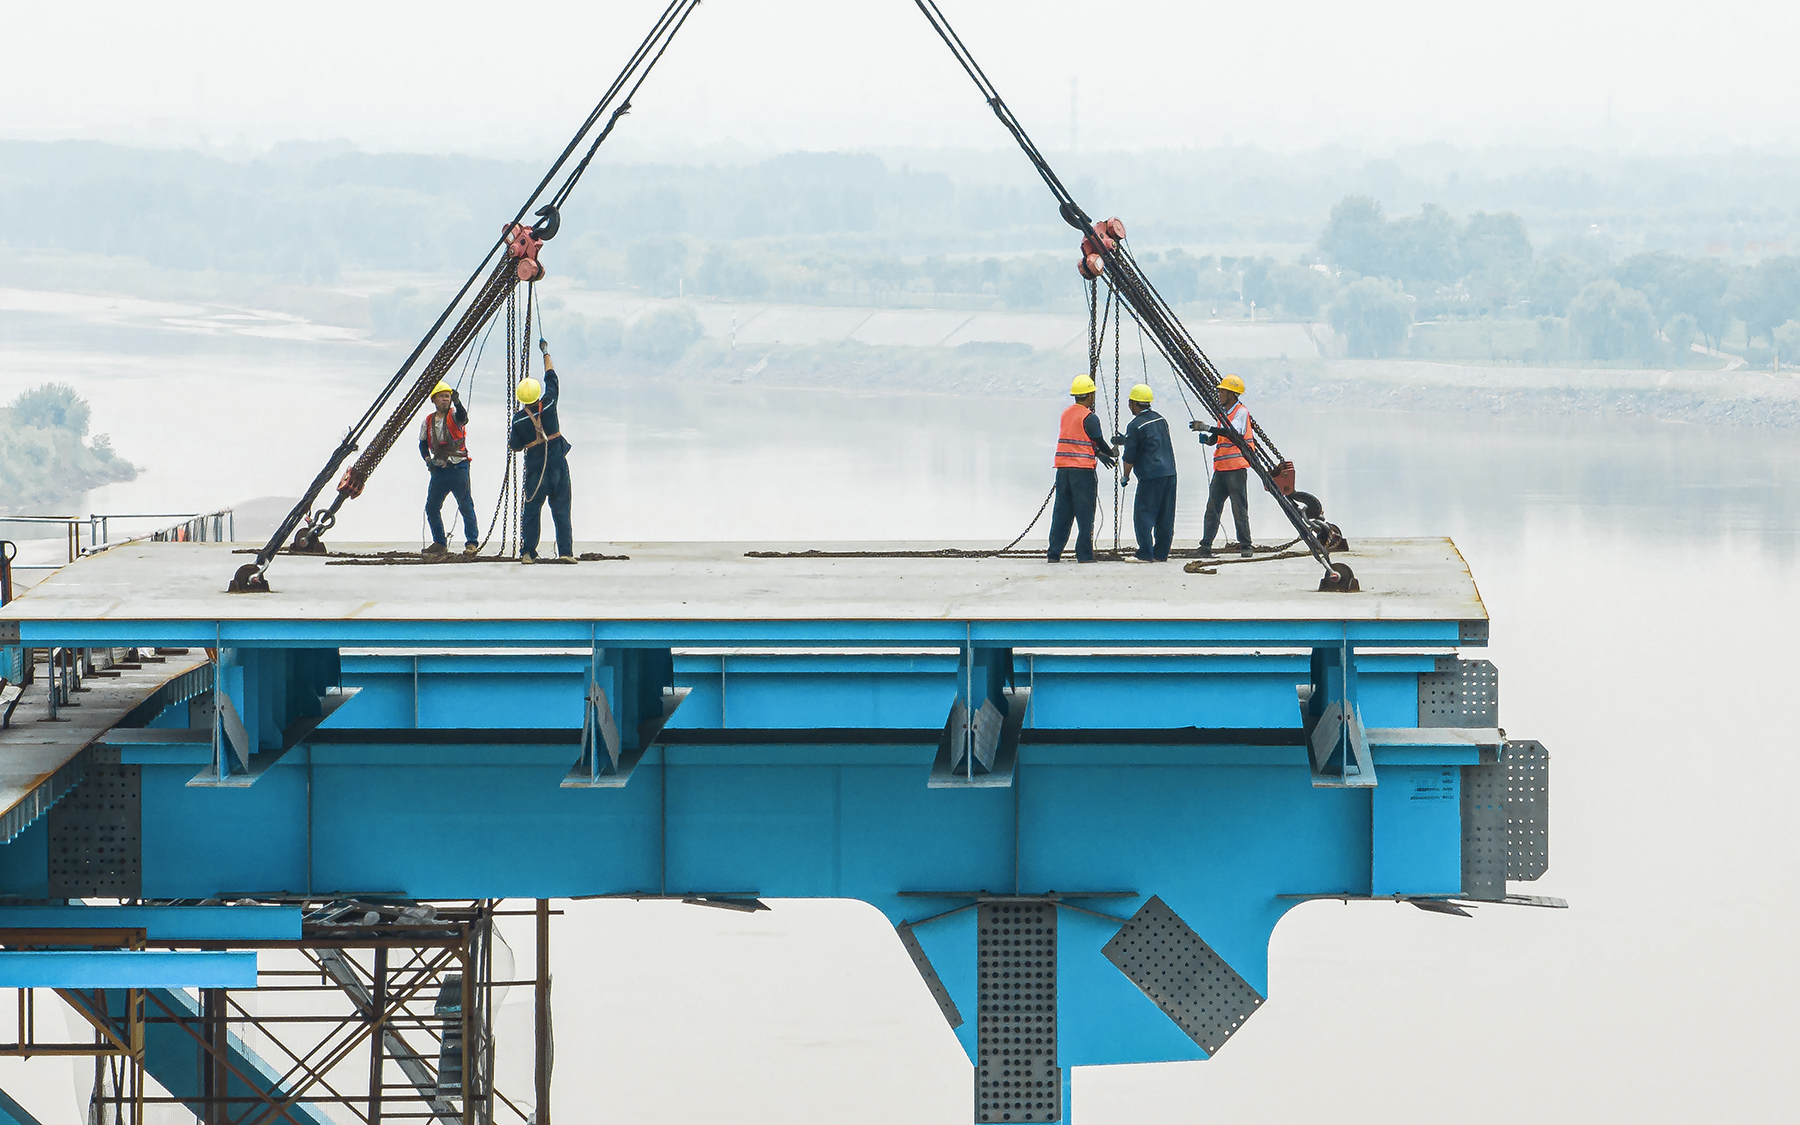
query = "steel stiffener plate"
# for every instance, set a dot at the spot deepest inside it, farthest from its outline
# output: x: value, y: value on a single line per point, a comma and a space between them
x: 1016, y: 1076
x: 1527, y: 766
x: 95, y: 834
x: 1460, y: 693
x: 929, y: 975
x: 1175, y: 967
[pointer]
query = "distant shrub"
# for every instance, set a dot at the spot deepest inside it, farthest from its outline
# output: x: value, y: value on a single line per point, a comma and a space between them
x: 662, y: 335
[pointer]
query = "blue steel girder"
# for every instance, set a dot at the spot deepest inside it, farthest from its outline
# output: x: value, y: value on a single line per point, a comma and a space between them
x: 804, y: 774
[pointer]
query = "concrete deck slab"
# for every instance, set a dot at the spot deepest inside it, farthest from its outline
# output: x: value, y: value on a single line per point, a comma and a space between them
x: 1402, y: 579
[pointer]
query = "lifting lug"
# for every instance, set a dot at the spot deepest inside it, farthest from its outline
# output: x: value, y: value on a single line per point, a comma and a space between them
x: 1339, y: 580
x: 249, y: 579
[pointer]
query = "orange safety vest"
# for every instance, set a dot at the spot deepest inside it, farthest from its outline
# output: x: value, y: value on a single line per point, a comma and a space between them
x: 1226, y: 454
x: 456, y: 443
x: 1073, y: 449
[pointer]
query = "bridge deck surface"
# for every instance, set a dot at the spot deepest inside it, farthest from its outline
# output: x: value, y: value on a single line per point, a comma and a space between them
x: 1423, y: 579
x: 35, y: 753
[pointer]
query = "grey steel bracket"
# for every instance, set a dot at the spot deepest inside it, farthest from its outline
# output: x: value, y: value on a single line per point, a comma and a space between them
x: 1175, y: 967
x: 230, y: 768
x: 289, y: 681
x: 1460, y: 693
x: 1331, y: 718
x: 979, y: 747
x: 1472, y: 633
x: 9, y: 632
x: 612, y: 746
x: 933, y: 983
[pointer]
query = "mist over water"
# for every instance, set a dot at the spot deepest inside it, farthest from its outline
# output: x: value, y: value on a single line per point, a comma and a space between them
x: 1640, y: 579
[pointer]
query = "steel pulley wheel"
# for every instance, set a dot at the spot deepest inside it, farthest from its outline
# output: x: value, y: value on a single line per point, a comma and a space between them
x: 1308, y: 504
x: 1339, y: 580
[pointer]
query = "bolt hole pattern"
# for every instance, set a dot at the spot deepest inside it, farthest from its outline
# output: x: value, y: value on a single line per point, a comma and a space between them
x: 1016, y: 1076
x: 1176, y: 969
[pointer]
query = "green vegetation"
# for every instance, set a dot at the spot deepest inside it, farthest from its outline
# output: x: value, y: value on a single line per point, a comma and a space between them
x: 45, y: 455
x: 1506, y: 238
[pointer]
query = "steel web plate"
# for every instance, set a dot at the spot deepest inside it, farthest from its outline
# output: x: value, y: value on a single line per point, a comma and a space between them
x: 1460, y: 693
x: 1016, y: 1076
x: 1174, y: 967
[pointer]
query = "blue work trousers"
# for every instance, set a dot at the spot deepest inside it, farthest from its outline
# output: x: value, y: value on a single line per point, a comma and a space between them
x: 1228, y: 485
x: 546, y: 481
x: 451, y: 480
x: 1153, y: 515
x: 1076, y: 492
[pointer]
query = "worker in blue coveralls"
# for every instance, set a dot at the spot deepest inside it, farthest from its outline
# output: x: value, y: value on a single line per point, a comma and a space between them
x: 536, y: 431
x: 1148, y: 452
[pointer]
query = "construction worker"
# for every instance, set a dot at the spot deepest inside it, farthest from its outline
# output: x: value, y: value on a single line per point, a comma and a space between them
x: 536, y: 431
x: 1148, y: 451
x: 1079, y: 444
x: 443, y: 443
x: 1231, y: 468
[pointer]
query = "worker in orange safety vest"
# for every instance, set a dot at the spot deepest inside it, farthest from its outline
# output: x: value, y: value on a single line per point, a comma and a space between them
x: 444, y: 446
x: 1080, y: 443
x: 1231, y: 468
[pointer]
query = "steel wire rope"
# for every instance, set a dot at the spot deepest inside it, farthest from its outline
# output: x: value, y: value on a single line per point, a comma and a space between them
x: 1171, y: 337
x: 646, y: 56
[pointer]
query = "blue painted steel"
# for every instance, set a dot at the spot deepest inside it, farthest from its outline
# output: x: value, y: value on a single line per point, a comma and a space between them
x: 1219, y: 831
x: 114, y: 968
x: 12, y: 1113
x: 164, y: 923
x: 1417, y: 837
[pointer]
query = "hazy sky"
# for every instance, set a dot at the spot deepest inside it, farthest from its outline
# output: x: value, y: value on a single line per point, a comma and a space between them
x: 842, y: 73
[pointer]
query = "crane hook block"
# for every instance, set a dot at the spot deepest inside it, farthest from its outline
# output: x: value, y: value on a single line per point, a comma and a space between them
x: 549, y: 222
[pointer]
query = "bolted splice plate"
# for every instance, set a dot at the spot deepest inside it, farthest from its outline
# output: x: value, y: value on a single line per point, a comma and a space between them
x: 1174, y: 966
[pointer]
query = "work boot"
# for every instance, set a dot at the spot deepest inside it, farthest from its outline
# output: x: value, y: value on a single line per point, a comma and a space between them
x: 571, y: 559
x: 471, y: 550
x: 1137, y: 559
x: 1245, y: 550
x: 527, y: 558
x: 435, y: 551
x: 1204, y: 550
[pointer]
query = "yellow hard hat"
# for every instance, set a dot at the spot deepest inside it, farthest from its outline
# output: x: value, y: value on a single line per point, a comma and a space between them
x: 1233, y: 384
x: 530, y: 390
x: 442, y: 388
x: 1081, y: 386
x: 1141, y: 393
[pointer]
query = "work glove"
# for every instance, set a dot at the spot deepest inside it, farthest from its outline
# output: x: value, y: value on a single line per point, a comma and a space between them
x: 542, y: 346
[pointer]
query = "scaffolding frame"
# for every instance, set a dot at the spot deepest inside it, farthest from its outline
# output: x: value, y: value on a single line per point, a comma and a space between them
x: 386, y: 1015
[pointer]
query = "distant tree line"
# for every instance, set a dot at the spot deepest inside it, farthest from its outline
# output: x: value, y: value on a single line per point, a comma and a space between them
x: 1644, y: 308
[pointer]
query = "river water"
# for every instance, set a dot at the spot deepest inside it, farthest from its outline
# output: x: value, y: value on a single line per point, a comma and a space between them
x: 1641, y: 580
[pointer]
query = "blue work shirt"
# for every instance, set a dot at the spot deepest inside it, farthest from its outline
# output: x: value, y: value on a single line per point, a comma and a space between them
x: 1147, y: 446
x: 524, y: 433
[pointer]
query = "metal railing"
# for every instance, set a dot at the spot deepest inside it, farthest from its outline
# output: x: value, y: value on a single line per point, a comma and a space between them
x: 195, y: 527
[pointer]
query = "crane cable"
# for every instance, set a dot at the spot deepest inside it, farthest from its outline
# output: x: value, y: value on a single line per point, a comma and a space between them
x: 251, y: 577
x: 1148, y: 307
